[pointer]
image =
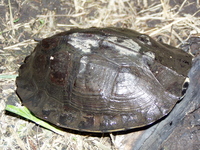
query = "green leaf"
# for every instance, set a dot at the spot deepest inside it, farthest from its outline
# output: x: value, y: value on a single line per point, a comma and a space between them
x: 16, y: 20
x: 24, y: 112
x: 41, y: 21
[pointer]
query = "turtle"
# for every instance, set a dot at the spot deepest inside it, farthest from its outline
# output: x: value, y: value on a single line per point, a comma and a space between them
x: 102, y: 79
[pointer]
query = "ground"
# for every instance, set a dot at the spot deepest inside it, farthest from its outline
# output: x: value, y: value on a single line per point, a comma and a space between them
x: 172, y: 21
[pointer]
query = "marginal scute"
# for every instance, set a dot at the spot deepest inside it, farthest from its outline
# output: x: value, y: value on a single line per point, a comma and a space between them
x: 102, y: 79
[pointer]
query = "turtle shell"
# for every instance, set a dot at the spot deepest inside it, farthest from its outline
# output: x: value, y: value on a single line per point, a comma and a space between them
x: 102, y: 79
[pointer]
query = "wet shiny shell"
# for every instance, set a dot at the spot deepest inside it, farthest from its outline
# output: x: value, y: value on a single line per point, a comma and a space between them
x: 102, y: 79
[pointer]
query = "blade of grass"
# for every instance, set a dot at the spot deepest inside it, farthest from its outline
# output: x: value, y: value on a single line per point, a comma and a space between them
x: 24, y: 112
x: 4, y: 76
